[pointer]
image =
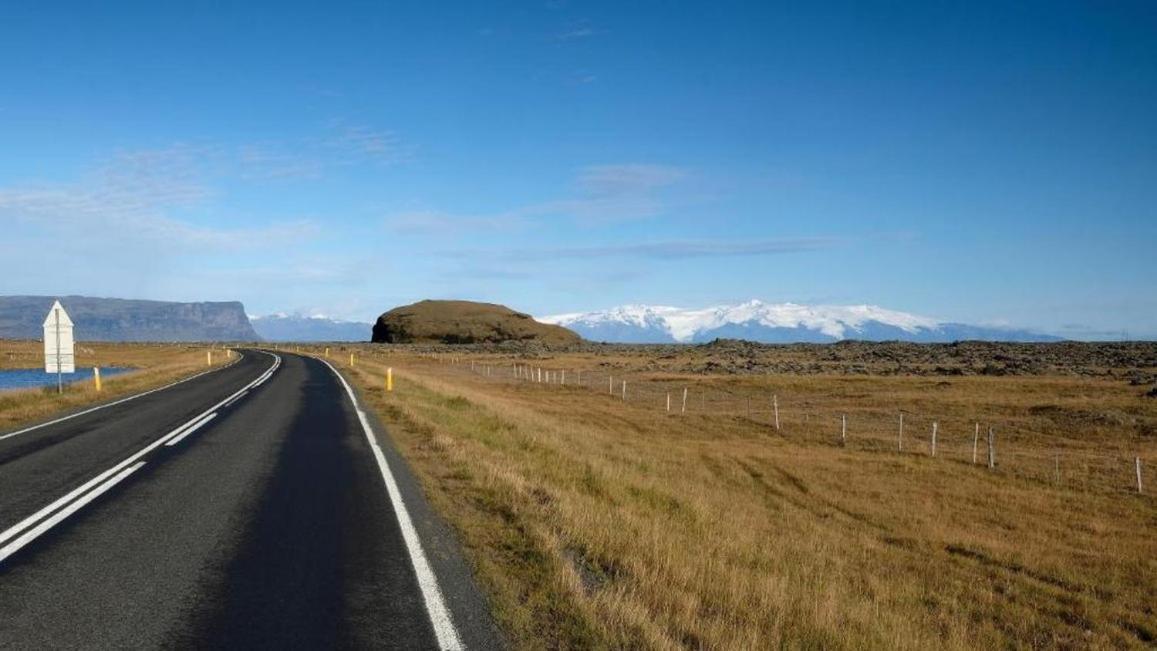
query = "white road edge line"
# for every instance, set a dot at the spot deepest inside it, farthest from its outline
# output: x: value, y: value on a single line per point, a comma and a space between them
x: 74, y: 494
x: 117, y: 402
x: 35, y: 533
x: 444, y: 630
x: 192, y: 428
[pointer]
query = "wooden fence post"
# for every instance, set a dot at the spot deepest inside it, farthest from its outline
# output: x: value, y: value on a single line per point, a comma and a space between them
x: 900, y: 439
x: 844, y: 428
x: 991, y: 449
x: 684, y: 409
x: 624, y: 390
x: 668, y: 402
x: 775, y: 408
x: 935, y: 426
x: 1137, y: 465
x: 975, y: 441
x: 611, y: 385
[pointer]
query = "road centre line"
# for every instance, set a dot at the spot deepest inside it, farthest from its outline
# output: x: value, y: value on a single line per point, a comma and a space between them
x: 122, y: 400
x: 80, y: 492
x: 192, y: 428
x: 36, y: 532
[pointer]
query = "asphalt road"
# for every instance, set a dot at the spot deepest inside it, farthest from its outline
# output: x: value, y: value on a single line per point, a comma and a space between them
x: 254, y: 506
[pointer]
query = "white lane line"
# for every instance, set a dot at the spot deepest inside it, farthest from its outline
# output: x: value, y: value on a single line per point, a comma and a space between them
x: 230, y: 403
x: 117, y: 402
x: 192, y: 428
x: 42, y: 513
x: 435, y: 605
x: 34, y: 533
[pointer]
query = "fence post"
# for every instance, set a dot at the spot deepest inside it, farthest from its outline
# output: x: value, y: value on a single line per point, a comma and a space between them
x: 844, y: 428
x: 1057, y: 467
x: 991, y: 449
x: 1137, y: 465
x: 775, y: 408
x: 975, y: 441
x: 611, y: 385
x: 900, y: 439
x: 684, y: 409
x: 668, y: 402
x: 624, y: 390
x: 562, y: 379
x: 935, y: 426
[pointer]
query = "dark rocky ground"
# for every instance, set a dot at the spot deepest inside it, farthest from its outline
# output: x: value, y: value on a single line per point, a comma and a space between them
x: 1134, y: 362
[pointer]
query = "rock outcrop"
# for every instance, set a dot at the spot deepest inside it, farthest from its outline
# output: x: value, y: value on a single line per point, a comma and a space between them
x: 464, y: 322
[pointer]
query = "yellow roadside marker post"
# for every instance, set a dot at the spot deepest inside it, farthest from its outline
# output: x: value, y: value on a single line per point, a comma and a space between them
x: 390, y: 379
x: 96, y: 377
x: 351, y: 359
x: 208, y: 358
x: 327, y: 352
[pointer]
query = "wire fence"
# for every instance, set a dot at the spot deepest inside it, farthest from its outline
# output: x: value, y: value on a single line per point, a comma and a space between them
x: 1004, y: 447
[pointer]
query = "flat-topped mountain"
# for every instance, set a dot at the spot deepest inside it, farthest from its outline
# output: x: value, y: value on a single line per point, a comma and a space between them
x: 464, y: 322
x: 118, y: 319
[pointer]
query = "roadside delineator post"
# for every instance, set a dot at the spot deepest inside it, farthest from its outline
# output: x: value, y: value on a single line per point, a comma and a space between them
x: 774, y: 406
x: 96, y: 378
x: 351, y: 359
x: 327, y: 352
x: 935, y: 426
x: 1137, y: 465
x: 390, y: 379
x: 208, y: 358
x: 683, y: 410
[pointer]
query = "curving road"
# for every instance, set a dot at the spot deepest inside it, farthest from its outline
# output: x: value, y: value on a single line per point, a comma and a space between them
x: 253, y: 506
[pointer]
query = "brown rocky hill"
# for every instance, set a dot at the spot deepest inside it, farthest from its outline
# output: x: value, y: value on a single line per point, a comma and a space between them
x: 464, y: 322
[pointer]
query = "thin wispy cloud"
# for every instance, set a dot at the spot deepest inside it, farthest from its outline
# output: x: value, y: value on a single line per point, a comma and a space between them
x: 603, y: 194
x: 580, y: 30
x: 670, y: 250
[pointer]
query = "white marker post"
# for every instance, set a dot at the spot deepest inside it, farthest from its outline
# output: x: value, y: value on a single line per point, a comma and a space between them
x: 975, y: 442
x: 684, y: 409
x: 935, y: 426
x: 59, y: 353
x: 775, y: 408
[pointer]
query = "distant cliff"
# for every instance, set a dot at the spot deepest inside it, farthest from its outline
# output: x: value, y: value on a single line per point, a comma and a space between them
x: 116, y: 319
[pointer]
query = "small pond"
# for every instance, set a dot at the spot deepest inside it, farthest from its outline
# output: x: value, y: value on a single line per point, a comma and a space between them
x: 30, y: 378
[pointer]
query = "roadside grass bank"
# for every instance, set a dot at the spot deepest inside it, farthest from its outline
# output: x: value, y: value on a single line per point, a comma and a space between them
x: 155, y: 365
x: 595, y: 523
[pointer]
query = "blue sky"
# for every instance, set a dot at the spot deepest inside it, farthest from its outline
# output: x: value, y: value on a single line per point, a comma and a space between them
x: 976, y: 162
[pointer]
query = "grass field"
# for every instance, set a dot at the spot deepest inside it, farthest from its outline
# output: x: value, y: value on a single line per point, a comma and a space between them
x: 599, y: 522
x: 155, y: 364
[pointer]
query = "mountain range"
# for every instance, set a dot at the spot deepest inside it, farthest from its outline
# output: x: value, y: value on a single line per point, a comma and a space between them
x: 297, y: 327
x: 118, y: 319
x: 775, y: 323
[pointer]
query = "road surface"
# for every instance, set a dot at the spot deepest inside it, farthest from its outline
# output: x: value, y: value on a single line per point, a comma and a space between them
x: 252, y: 506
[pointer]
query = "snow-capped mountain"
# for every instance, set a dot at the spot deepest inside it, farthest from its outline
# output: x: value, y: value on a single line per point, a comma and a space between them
x: 774, y: 323
x: 297, y: 327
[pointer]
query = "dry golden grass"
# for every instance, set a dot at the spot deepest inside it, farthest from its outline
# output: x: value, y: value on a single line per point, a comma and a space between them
x: 155, y: 364
x: 595, y: 523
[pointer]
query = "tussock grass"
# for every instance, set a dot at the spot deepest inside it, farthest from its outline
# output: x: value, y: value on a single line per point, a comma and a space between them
x: 595, y: 523
x: 154, y: 364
